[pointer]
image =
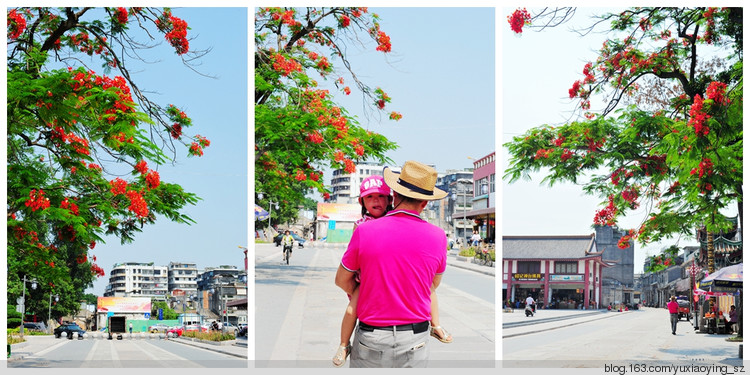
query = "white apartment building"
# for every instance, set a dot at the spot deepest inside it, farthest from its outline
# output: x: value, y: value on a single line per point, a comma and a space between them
x: 345, y: 186
x: 184, y: 277
x: 133, y: 279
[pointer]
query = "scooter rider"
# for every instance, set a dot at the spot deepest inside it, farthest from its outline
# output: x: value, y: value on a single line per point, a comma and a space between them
x: 530, y: 302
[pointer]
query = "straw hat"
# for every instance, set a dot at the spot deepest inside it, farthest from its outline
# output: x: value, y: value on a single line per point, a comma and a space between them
x: 415, y: 180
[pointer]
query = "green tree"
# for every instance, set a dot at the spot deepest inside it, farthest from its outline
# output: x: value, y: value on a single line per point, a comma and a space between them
x: 83, y: 147
x: 167, y: 312
x: 670, y: 138
x: 299, y: 129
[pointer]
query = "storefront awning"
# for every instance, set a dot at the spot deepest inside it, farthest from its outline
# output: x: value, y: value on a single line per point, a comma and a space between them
x: 490, y: 211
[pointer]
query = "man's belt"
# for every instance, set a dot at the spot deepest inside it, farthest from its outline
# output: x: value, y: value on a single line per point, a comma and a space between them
x: 415, y: 327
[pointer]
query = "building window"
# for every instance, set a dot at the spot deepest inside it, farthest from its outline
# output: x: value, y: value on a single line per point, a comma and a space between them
x: 528, y: 267
x: 566, y: 267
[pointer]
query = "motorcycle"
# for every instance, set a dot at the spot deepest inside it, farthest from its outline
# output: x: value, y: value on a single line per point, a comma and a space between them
x: 529, y: 311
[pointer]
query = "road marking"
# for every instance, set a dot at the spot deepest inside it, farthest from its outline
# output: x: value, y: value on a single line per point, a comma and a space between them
x: 51, y: 348
x: 92, y: 352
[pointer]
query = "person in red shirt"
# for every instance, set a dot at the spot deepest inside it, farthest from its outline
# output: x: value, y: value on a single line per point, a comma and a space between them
x: 673, y: 317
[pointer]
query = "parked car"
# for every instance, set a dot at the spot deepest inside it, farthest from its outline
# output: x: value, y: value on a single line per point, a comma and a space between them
x: 300, y: 240
x: 68, y: 329
x: 231, y: 328
x: 175, y: 332
x: 35, y: 326
x: 159, y: 327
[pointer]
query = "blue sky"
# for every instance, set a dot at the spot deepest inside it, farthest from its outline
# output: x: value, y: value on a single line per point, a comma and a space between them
x: 219, y: 110
x: 440, y: 78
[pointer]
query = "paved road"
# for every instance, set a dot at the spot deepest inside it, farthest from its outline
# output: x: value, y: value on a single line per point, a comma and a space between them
x: 137, y: 351
x: 299, y: 310
x: 580, y: 338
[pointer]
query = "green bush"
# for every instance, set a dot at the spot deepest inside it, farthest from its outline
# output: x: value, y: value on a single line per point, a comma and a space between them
x: 468, y: 252
x: 210, y: 336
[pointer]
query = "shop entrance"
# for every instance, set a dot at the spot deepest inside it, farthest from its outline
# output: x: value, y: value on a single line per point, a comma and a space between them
x: 566, y: 298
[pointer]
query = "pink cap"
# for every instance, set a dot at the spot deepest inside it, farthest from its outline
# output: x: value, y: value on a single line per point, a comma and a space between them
x: 374, y: 185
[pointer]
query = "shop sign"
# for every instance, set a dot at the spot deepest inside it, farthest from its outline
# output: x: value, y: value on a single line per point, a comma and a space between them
x: 527, y: 276
x: 565, y: 277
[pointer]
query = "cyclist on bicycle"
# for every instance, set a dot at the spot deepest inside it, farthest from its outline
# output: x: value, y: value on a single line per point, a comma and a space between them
x: 286, y: 241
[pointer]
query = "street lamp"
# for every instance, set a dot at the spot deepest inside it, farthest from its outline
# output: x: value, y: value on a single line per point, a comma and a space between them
x: 270, y: 202
x: 23, y: 300
x: 49, y: 310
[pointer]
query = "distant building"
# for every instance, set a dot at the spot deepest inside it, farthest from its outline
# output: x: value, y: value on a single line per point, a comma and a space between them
x: 183, y: 276
x: 345, y: 186
x: 138, y: 279
x: 483, y: 201
x: 220, y: 291
x: 563, y: 272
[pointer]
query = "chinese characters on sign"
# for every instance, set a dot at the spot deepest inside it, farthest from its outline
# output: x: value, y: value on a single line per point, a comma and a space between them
x: 527, y: 276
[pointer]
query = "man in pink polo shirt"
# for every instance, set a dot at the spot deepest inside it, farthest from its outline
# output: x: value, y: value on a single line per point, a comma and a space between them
x: 400, y: 258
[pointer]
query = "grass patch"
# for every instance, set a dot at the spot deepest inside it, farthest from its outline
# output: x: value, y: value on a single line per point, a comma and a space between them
x: 734, y: 339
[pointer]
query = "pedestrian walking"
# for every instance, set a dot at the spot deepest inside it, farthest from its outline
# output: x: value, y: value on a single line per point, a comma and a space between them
x: 673, y: 317
x: 131, y: 327
x: 401, y: 259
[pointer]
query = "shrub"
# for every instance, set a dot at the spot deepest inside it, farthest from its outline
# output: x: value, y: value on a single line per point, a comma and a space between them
x: 209, y: 336
x: 468, y: 252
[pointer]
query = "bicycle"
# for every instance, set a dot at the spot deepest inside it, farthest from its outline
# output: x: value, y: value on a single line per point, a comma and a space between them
x: 287, y: 253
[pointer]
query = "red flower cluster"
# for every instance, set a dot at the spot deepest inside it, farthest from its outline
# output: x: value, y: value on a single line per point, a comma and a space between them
x: 97, y: 271
x: 384, y: 42
x: 152, y: 180
x: 315, y: 137
x: 176, y: 32
x: 395, y: 116
x: 339, y: 156
x: 121, y: 14
x: 573, y: 91
x: 344, y: 21
x: 141, y: 167
x: 630, y: 195
x: 195, y: 149
x: 606, y: 216
x: 705, y: 168
x: 567, y: 154
x: 37, y: 200
x: 203, y: 141
x: 710, y: 34
x: 543, y: 153
x: 654, y: 164
x: 119, y: 186
x: 137, y: 204
x: 347, y: 91
x: 284, y: 66
x: 300, y: 175
x: 518, y: 20
x: 323, y: 64
x: 349, y: 167
x: 16, y: 24
x: 624, y: 241
x: 176, y: 131
x: 698, y: 118
x: 715, y: 92
x: 68, y: 205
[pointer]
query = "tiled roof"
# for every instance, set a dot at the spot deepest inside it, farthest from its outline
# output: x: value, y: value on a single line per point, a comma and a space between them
x: 548, y: 247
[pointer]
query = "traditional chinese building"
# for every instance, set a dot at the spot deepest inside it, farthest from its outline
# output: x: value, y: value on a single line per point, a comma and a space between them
x: 557, y: 271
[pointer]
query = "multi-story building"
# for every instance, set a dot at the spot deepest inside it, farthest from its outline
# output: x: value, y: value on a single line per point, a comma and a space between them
x: 218, y: 288
x: 183, y: 277
x: 133, y: 279
x: 458, y: 185
x: 345, y: 186
x: 483, y: 201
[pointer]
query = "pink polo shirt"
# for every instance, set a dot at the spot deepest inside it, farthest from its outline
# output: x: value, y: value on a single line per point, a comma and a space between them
x: 398, y: 256
x: 672, y: 307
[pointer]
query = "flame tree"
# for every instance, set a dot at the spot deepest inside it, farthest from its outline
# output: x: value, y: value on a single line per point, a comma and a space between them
x: 83, y: 148
x: 670, y: 137
x: 299, y: 128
